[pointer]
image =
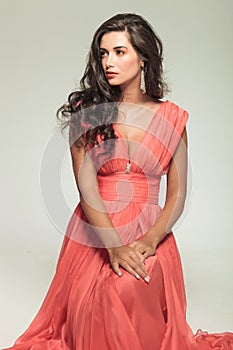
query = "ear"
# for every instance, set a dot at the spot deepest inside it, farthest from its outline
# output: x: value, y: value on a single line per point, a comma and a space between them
x: 142, y: 64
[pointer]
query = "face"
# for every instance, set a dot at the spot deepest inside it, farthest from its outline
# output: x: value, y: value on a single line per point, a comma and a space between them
x: 120, y: 61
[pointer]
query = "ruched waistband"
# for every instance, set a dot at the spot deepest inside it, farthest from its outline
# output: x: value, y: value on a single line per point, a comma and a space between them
x: 129, y: 187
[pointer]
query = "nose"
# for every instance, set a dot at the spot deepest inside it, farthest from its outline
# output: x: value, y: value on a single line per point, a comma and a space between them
x: 109, y: 62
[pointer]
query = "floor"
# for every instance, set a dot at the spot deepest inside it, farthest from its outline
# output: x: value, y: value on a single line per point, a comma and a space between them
x: 26, y: 275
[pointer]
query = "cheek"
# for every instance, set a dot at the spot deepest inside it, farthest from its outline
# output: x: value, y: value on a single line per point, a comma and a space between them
x: 103, y: 62
x: 130, y: 64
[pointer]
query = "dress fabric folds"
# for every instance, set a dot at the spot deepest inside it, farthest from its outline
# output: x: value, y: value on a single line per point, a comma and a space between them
x: 89, y: 307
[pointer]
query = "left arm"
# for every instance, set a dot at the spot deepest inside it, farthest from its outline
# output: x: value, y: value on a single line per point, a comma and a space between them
x: 174, y: 204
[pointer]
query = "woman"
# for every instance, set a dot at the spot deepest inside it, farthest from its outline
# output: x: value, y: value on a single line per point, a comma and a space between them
x: 118, y: 282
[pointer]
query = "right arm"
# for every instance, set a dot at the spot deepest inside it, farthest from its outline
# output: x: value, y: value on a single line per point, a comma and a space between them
x: 96, y: 213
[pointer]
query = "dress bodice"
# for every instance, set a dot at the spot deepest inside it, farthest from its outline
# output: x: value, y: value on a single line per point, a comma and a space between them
x: 149, y: 160
x: 131, y: 198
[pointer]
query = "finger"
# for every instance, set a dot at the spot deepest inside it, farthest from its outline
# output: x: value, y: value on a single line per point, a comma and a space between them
x: 140, y: 256
x: 141, y: 271
x: 139, y: 267
x: 142, y: 259
x: 148, y: 253
x: 129, y: 269
x: 136, y: 272
x: 116, y: 269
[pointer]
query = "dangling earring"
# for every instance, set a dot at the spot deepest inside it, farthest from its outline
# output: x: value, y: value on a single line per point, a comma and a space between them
x: 142, y: 84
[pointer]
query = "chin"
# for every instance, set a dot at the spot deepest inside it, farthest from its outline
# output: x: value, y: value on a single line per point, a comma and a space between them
x: 113, y: 83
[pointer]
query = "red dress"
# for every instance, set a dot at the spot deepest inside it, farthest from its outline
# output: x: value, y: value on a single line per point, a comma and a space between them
x: 87, y: 306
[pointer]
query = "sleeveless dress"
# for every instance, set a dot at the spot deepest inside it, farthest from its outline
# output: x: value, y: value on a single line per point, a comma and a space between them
x: 89, y: 307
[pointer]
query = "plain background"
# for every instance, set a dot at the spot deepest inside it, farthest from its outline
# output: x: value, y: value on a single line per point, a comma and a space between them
x: 43, y: 51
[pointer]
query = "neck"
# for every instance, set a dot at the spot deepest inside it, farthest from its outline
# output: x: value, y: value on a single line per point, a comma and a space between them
x: 133, y: 95
x: 131, y: 92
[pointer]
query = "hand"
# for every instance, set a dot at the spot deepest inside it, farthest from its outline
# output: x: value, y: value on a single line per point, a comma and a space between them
x: 130, y: 259
x: 145, y: 245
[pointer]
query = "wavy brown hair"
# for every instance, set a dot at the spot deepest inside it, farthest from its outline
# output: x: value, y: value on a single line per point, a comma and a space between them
x: 80, y: 112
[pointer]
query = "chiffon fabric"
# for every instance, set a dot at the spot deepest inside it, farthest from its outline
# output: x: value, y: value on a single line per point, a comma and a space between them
x: 89, y: 307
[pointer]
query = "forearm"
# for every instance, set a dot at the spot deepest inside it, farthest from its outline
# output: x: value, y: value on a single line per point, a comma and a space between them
x: 176, y: 194
x: 98, y: 217
x: 90, y: 199
x: 170, y: 213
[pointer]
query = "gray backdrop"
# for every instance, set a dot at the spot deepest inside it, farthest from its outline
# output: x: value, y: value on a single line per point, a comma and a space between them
x: 43, y: 51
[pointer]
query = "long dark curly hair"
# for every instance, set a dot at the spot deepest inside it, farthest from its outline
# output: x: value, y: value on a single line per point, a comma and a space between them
x: 87, y: 122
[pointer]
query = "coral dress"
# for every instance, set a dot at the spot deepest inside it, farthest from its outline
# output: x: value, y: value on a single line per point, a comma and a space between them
x: 89, y: 307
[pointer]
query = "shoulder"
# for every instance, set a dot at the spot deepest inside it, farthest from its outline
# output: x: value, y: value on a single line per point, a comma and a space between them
x: 176, y: 115
x: 175, y: 108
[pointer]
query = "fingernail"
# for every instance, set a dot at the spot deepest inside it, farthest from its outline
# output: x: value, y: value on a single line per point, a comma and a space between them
x: 137, y: 276
x: 147, y: 279
x: 119, y: 274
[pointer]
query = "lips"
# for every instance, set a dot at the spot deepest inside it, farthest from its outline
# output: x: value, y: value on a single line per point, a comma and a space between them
x: 111, y: 74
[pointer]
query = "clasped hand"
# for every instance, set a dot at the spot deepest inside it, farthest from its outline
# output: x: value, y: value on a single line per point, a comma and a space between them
x: 131, y: 257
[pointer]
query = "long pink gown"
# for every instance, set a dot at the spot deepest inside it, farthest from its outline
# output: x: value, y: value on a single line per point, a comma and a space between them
x: 87, y: 306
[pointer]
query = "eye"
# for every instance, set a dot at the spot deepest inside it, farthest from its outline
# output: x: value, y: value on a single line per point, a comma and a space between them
x: 103, y: 53
x: 120, y: 52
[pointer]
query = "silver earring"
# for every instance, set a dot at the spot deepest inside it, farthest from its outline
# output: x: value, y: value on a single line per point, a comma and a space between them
x: 142, y: 84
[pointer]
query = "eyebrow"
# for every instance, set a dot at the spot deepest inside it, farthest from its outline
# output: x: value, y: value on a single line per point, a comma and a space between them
x: 116, y: 47
x: 119, y: 47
